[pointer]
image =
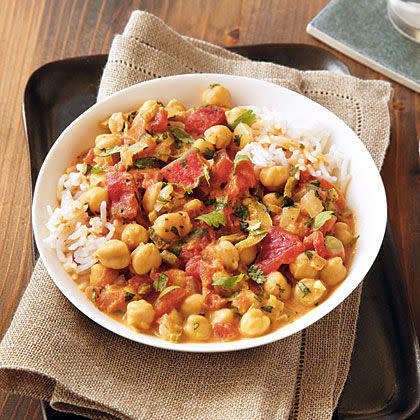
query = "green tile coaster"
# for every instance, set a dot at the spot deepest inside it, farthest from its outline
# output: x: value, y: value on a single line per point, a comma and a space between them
x: 361, y: 29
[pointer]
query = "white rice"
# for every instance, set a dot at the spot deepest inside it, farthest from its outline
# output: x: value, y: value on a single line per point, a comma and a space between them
x: 310, y: 144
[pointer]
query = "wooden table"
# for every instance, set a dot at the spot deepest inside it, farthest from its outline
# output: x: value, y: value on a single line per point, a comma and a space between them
x: 34, y: 32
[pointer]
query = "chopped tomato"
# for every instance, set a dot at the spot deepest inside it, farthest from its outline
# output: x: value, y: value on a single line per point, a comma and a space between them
x: 203, y: 118
x: 187, y: 170
x: 316, y: 241
x: 225, y: 330
x: 328, y: 226
x: 108, y: 277
x: 192, y: 267
x: 159, y: 123
x: 340, y: 202
x: 277, y: 248
x: 213, y: 301
x: 145, y: 178
x: 171, y: 300
x: 243, y: 179
x: 107, y: 300
x: 89, y: 158
x: 123, y: 193
x: 222, y: 170
x: 138, y: 281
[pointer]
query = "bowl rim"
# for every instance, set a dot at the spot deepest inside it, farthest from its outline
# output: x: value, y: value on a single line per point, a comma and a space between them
x: 296, y: 326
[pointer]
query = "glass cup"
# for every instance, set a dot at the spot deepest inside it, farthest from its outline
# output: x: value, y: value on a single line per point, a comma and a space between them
x: 405, y: 16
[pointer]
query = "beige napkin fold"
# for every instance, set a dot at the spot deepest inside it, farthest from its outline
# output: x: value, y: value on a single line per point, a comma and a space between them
x: 53, y: 352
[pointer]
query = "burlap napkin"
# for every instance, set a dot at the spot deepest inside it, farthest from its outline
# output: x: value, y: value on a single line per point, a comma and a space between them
x: 53, y: 352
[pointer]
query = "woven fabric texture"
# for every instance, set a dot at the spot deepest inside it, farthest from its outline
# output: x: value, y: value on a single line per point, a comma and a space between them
x: 53, y: 352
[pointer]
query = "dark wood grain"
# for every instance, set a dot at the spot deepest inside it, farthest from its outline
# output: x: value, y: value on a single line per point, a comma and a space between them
x: 34, y: 32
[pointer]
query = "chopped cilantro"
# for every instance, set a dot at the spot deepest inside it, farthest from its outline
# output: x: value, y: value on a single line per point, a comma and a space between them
x: 206, y: 170
x: 93, y: 295
x: 93, y: 169
x: 248, y: 117
x: 267, y: 308
x: 145, y: 162
x: 303, y: 289
x: 128, y: 296
x: 213, y: 85
x: 254, y: 230
x: 232, y: 295
x: 257, y: 298
x: 181, y: 135
x: 241, y: 212
x: 160, y: 283
x: 165, y: 135
x: 315, y: 190
x: 237, y: 139
x: 196, y: 325
x: 175, y: 231
x: 287, y: 202
x: 176, y: 250
x: 308, y: 254
x: 322, y: 218
x: 184, y: 162
x: 109, y: 152
x: 315, y: 182
x: 293, y: 169
x: 193, y: 234
x: 255, y: 273
x: 210, y: 202
x: 227, y: 282
x: 214, y: 218
x: 309, y: 223
x: 208, y: 154
x: 243, y: 225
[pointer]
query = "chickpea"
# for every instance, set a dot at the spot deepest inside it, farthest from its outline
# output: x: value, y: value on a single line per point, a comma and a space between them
x: 140, y: 314
x: 222, y: 315
x: 193, y: 205
x: 113, y: 254
x: 277, y: 285
x: 172, y: 226
x: 233, y: 114
x: 219, y: 135
x: 244, y: 131
x: 133, y: 235
x: 202, y: 145
x: 274, y: 177
x: 272, y: 199
x: 192, y: 305
x: 309, y: 291
x: 248, y: 255
x: 334, y: 271
x: 254, y: 323
x: 301, y: 267
x: 343, y: 233
x: 216, y: 95
x: 150, y: 196
x: 145, y: 257
x: 228, y: 254
x: 107, y: 141
x: 94, y: 197
x: 197, y: 327
x: 116, y: 122
x: 170, y: 326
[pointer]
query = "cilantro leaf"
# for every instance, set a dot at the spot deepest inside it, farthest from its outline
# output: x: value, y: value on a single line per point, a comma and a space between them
x: 208, y: 153
x: 287, y: 202
x: 93, y: 169
x: 214, y: 218
x: 267, y: 308
x: 197, y: 233
x: 160, y: 283
x: 206, y: 169
x: 237, y: 139
x: 213, y: 85
x: 241, y: 212
x: 109, y: 152
x: 248, y: 117
x: 255, y: 273
x: 227, y: 282
x: 239, y: 158
x: 322, y: 218
x: 315, y: 190
x: 164, y: 292
x: 308, y: 254
x: 145, y: 162
x: 303, y: 289
x: 181, y: 135
x: 254, y: 230
x: 128, y: 296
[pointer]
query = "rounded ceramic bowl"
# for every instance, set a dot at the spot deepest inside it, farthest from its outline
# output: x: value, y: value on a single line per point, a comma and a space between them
x: 365, y: 194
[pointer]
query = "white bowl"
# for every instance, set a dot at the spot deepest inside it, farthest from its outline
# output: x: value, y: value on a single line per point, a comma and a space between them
x: 365, y: 195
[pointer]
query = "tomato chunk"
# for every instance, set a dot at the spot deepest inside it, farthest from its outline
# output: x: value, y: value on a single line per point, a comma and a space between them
x: 225, y: 330
x: 90, y: 157
x: 159, y: 123
x: 243, y: 179
x: 277, y: 248
x: 187, y: 170
x: 171, y: 300
x: 123, y: 193
x: 222, y: 170
x: 340, y: 202
x: 202, y: 119
x: 316, y: 241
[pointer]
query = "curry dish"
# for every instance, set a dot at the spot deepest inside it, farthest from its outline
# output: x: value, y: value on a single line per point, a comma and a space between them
x: 174, y: 225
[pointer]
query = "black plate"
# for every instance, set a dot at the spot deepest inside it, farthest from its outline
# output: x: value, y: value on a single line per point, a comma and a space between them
x: 384, y: 376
